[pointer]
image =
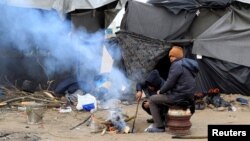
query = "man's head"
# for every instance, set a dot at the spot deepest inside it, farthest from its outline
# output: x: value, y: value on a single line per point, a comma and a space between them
x: 176, y: 52
x: 154, y: 80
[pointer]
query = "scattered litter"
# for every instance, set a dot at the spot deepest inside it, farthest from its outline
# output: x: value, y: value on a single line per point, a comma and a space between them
x: 221, y: 109
x: 86, y: 102
x: 126, y: 103
x: 242, y: 101
x: 217, y: 100
x: 21, y: 108
x: 65, y: 110
x: 232, y: 108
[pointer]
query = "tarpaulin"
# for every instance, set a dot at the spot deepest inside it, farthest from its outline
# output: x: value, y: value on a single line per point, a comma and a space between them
x: 155, y: 22
x: 227, y: 39
x: 176, y: 6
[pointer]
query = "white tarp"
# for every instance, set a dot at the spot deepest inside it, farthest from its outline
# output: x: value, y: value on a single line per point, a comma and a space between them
x: 107, y: 61
x: 244, y: 1
x: 41, y: 4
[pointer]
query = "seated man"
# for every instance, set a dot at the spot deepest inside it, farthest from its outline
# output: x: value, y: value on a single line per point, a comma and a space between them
x: 179, y: 86
x: 150, y: 87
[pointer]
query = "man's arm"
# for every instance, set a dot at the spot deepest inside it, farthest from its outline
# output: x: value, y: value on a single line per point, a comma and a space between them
x: 139, y: 88
x: 174, y: 73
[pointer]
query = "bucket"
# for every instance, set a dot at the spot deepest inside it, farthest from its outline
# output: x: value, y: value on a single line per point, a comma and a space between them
x: 178, y: 121
x: 35, y: 114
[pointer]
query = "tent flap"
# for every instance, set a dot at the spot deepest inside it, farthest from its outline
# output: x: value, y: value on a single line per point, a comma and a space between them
x: 227, y: 39
x: 228, y: 77
x: 158, y: 27
x: 176, y: 6
x: 62, y: 6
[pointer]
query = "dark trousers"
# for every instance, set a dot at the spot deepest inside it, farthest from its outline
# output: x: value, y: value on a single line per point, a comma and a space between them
x: 159, y: 104
x: 163, y: 110
x: 147, y: 110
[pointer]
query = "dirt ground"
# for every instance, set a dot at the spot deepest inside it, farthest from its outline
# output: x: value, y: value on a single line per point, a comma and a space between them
x: 56, y: 126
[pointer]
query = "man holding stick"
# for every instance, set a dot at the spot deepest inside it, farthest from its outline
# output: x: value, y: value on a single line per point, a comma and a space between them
x: 150, y: 87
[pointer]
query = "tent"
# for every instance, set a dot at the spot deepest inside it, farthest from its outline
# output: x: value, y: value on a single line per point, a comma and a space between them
x: 216, y: 30
x: 62, y: 6
x: 88, y: 14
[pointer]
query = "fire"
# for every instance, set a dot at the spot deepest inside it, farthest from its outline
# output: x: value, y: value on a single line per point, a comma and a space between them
x: 114, y: 124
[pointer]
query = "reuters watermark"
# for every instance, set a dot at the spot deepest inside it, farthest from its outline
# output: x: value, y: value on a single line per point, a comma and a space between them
x: 241, y: 132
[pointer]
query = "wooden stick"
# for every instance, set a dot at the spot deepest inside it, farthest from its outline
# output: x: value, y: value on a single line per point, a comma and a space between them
x: 132, y: 130
x: 14, y: 99
x: 104, y: 130
x: 34, y: 98
x: 49, y: 105
x: 189, y: 137
x: 129, y: 118
x: 82, y: 122
x: 29, y: 97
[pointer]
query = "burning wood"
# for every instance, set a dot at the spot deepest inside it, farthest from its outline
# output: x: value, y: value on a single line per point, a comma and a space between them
x: 116, y: 123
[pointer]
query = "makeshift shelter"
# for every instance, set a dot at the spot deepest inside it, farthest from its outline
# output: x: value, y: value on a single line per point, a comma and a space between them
x: 216, y: 30
x: 63, y: 6
x: 91, y: 15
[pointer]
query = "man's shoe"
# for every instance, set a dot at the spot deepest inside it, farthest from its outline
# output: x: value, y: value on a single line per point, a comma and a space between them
x: 155, y: 130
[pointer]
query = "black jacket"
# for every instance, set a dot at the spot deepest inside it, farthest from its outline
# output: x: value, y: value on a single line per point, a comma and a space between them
x: 180, y: 83
x: 153, y: 79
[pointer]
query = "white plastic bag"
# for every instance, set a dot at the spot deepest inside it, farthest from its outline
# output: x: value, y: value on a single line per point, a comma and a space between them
x: 86, y: 102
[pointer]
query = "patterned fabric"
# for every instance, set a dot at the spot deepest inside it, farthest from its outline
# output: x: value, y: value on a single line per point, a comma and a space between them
x: 140, y: 54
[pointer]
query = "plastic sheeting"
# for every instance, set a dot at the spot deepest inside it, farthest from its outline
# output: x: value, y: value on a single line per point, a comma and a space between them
x: 141, y: 54
x: 203, y: 21
x: 220, y: 35
x: 158, y: 23
x: 93, y: 20
x: 228, y: 77
x: 62, y: 6
x: 176, y: 6
x: 227, y: 39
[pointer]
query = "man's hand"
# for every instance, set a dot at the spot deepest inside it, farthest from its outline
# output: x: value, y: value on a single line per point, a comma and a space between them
x: 146, y: 104
x: 138, y: 96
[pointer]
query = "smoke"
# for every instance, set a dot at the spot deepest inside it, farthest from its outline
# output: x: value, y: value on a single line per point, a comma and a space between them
x: 51, y: 44
x: 34, y: 32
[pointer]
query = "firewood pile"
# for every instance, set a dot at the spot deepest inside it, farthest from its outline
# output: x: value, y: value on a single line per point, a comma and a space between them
x: 17, y: 98
x: 116, y: 122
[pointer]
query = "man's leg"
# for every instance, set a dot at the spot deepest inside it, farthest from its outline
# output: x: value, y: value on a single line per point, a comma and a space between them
x: 155, y: 104
x: 146, y: 109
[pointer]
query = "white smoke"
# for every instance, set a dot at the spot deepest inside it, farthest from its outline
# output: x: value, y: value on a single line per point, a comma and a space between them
x: 34, y: 32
